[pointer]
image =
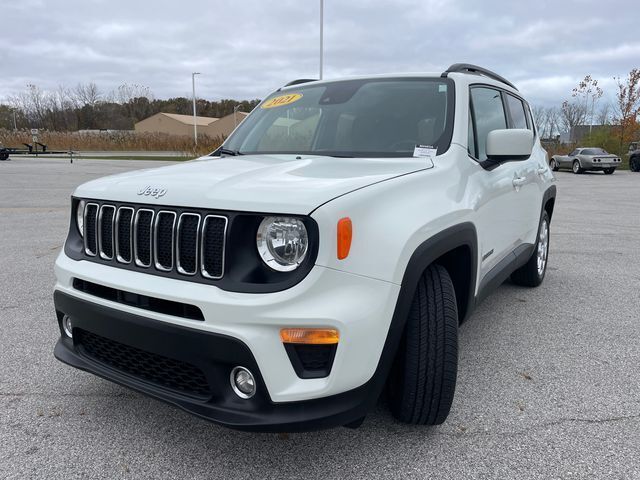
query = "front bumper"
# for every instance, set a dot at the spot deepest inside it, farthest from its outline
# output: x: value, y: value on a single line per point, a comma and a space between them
x: 212, y: 354
x: 360, y: 308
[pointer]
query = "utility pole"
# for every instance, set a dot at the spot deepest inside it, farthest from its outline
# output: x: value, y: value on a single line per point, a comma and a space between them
x: 235, y: 111
x: 195, y: 123
x: 15, y: 125
x: 321, y: 35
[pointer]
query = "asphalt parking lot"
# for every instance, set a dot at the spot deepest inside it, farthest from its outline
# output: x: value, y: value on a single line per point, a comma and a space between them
x: 548, y: 383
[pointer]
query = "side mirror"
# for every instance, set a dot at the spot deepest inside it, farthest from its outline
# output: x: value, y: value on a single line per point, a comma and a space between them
x: 508, y: 145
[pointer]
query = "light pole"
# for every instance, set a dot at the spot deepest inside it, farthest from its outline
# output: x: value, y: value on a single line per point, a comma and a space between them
x: 321, y: 34
x: 195, y: 123
x: 235, y: 111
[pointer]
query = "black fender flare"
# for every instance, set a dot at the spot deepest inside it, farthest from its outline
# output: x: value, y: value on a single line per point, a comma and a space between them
x: 463, y: 234
x: 549, y: 194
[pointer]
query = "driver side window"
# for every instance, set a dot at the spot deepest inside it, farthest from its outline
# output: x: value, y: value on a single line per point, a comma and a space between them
x: 488, y: 115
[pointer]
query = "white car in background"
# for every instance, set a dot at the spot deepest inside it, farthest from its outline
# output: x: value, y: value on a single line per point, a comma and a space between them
x: 329, y: 249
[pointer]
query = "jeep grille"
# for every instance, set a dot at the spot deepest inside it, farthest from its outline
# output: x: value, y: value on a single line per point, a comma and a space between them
x: 163, y: 239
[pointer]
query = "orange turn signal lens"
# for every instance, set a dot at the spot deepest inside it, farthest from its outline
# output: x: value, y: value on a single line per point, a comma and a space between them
x: 310, y: 336
x: 345, y: 232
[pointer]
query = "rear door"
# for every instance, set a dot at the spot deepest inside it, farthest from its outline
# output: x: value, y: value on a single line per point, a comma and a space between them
x: 530, y: 171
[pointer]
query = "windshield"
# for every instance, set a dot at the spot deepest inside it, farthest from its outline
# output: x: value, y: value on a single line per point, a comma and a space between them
x: 351, y: 118
x: 594, y: 151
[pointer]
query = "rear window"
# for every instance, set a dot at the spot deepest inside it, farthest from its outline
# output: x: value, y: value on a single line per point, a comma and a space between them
x: 594, y: 151
x: 517, y: 112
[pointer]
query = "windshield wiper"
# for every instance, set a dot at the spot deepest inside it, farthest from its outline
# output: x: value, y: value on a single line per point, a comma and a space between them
x: 227, y: 151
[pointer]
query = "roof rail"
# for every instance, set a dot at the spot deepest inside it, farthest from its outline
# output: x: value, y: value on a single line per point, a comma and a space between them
x: 299, y: 81
x: 468, y: 68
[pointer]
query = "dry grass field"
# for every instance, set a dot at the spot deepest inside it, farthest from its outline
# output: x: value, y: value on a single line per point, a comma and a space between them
x: 112, y: 141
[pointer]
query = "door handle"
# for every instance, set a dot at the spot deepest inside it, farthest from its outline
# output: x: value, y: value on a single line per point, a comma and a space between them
x: 519, y: 181
x: 541, y: 170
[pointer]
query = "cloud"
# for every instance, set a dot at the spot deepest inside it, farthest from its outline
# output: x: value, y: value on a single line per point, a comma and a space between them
x: 247, y: 49
x: 607, y: 54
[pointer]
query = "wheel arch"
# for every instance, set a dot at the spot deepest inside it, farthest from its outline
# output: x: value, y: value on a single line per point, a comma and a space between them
x: 549, y: 201
x: 456, y: 249
x: 449, y: 248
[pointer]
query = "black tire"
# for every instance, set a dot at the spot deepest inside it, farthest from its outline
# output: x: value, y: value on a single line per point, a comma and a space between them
x: 529, y: 275
x: 634, y: 164
x: 423, y: 379
x: 553, y: 165
x: 609, y: 171
x: 4, y: 155
x: 576, y: 168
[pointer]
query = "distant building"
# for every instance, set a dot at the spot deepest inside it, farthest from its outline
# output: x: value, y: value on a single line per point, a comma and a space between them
x: 578, y: 132
x: 175, y: 124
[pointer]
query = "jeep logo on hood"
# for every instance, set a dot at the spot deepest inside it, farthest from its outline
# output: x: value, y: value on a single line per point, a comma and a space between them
x: 152, y: 191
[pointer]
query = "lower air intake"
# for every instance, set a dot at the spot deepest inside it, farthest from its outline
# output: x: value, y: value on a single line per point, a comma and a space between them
x: 167, y: 373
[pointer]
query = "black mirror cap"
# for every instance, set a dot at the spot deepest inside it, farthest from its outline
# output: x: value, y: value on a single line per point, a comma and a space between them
x: 508, y: 158
x: 496, y: 160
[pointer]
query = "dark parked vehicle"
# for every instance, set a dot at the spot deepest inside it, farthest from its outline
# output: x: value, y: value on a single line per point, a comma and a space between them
x: 586, y: 159
x: 634, y: 156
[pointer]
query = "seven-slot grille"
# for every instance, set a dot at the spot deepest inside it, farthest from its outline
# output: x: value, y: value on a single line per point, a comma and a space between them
x: 163, y: 239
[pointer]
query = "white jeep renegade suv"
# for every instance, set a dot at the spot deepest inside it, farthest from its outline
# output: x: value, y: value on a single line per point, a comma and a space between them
x: 327, y: 252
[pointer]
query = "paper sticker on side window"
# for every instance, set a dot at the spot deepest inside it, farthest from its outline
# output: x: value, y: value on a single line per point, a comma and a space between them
x: 281, y: 100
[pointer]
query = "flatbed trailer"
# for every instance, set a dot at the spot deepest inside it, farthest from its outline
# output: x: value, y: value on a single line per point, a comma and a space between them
x: 28, y: 149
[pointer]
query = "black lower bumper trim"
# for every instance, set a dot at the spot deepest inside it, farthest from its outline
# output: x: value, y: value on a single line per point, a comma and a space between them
x: 214, y: 355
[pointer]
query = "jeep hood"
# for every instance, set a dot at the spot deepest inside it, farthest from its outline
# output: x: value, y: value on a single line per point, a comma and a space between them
x: 256, y: 183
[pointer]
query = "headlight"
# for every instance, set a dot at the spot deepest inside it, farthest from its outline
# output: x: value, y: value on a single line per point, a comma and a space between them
x: 80, y: 217
x: 282, y: 242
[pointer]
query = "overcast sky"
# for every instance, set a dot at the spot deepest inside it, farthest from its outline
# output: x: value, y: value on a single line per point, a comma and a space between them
x: 247, y: 48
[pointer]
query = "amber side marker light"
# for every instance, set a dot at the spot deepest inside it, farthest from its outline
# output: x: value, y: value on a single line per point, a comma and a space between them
x: 345, y: 232
x: 310, y: 336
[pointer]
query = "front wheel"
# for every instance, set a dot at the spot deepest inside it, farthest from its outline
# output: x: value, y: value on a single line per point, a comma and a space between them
x: 423, y: 379
x: 531, y: 274
x: 634, y: 164
x: 4, y: 155
x: 609, y: 171
x: 553, y: 165
x: 576, y: 168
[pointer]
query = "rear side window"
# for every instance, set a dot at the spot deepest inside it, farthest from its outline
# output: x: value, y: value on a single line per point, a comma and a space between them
x: 594, y: 151
x: 488, y: 115
x: 517, y: 112
x: 530, y: 122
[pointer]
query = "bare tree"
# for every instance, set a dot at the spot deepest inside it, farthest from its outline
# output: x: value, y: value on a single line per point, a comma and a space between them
x: 547, y: 121
x: 540, y: 118
x: 32, y: 104
x: 588, y: 92
x: 127, y: 92
x: 628, y: 103
x: 604, y: 114
x: 572, y: 114
x: 135, y: 99
x: 87, y: 94
x: 554, y: 119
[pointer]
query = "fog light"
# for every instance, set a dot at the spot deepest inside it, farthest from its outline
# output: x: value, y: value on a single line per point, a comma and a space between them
x: 242, y: 382
x: 67, y: 326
